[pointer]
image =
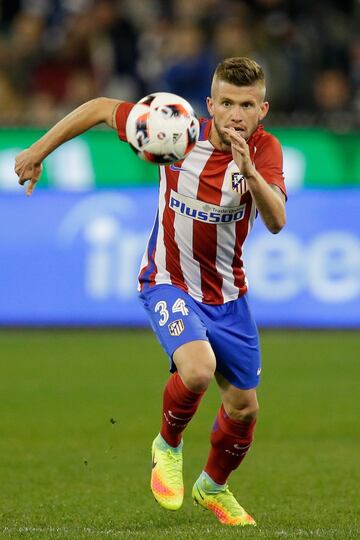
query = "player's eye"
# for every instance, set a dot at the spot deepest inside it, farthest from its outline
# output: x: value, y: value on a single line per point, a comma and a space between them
x: 226, y: 103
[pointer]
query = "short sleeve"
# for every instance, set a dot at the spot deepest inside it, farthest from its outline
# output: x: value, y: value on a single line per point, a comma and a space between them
x: 122, y: 112
x: 268, y: 161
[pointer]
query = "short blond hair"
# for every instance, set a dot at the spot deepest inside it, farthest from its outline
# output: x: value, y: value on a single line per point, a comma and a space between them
x: 240, y: 71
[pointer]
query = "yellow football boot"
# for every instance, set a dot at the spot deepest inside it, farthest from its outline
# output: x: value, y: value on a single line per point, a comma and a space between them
x: 166, y: 475
x: 222, y: 503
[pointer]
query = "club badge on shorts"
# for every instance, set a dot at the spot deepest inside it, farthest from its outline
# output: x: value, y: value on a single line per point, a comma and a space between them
x: 238, y: 183
x: 176, y: 327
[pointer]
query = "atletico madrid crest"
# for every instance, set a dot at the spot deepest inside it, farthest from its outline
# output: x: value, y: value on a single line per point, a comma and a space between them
x: 176, y: 327
x: 238, y: 182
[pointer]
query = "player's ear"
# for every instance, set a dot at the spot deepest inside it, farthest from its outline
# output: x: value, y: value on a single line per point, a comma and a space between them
x: 264, y: 109
x: 210, y: 106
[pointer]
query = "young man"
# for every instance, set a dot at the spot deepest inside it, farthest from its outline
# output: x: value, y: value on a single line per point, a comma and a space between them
x: 192, y: 280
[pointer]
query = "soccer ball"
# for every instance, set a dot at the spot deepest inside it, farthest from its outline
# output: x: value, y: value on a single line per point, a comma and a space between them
x: 162, y: 128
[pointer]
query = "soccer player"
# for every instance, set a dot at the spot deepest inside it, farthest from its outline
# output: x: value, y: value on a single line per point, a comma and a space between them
x: 192, y: 281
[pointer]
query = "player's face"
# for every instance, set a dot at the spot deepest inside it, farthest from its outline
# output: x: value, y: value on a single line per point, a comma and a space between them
x: 238, y: 107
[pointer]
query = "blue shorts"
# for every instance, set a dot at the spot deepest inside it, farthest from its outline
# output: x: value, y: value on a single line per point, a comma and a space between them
x: 177, y: 318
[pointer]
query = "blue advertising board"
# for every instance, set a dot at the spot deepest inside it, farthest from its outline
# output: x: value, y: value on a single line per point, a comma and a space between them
x: 73, y: 258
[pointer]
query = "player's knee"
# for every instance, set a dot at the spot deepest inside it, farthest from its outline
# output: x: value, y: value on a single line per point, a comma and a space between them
x: 196, y: 364
x: 244, y: 413
x: 198, y: 378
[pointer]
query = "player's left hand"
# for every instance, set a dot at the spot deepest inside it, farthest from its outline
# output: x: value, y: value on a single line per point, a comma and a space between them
x: 240, y: 152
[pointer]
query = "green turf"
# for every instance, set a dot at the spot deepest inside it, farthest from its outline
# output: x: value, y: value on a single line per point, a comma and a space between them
x: 78, y: 411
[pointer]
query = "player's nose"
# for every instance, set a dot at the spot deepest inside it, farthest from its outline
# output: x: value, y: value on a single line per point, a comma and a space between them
x: 237, y: 114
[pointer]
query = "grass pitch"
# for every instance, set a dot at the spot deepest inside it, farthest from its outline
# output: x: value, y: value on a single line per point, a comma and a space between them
x: 79, y: 411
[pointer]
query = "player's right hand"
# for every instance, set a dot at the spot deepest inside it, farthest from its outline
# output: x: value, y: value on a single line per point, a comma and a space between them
x: 28, y: 168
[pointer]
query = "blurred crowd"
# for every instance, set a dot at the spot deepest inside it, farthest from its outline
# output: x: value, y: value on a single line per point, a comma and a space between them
x: 56, y: 54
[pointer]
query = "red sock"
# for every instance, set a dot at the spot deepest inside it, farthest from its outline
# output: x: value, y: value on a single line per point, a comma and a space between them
x: 230, y: 441
x: 179, y: 406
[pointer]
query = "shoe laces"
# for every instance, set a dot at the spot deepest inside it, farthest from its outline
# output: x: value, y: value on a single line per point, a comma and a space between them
x: 174, y: 470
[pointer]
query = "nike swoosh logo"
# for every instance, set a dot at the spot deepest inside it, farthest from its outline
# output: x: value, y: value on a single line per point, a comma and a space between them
x: 240, y: 447
x: 177, y: 418
x: 176, y: 168
x: 199, y: 493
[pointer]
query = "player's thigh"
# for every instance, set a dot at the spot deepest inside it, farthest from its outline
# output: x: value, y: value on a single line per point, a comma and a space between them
x: 239, y: 404
x: 196, y: 364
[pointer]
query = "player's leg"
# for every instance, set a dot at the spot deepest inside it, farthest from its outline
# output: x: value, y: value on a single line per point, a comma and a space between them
x: 232, y: 433
x: 230, y: 440
x: 195, y: 363
x: 183, y: 336
x: 236, y: 345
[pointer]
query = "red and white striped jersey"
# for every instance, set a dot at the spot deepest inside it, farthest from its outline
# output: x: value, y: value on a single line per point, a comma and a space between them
x: 204, y: 216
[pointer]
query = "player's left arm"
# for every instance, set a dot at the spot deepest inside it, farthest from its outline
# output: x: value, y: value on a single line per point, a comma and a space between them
x: 28, y: 163
x: 269, y: 198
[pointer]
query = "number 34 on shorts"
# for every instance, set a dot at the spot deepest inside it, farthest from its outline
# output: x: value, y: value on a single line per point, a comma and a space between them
x: 178, y: 306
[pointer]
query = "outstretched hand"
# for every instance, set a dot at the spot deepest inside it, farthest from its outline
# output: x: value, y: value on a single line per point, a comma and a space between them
x: 28, y: 168
x: 240, y: 152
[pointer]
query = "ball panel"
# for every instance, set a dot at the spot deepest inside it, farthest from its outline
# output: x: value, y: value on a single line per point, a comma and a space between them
x: 162, y: 128
x: 137, y: 120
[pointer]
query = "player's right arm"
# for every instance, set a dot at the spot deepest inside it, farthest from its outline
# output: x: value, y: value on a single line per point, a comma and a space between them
x: 28, y: 164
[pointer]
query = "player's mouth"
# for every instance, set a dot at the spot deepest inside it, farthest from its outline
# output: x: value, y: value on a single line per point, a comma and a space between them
x: 239, y: 129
